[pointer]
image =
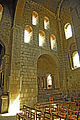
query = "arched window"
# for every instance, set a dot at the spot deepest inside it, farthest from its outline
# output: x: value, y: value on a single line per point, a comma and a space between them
x: 68, y: 31
x: 46, y: 23
x: 34, y: 18
x: 1, y: 11
x: 49, y: 81
x: 41, y: 38
x: 53, y: 42
x: 76, y: 61
x: 28, y: 34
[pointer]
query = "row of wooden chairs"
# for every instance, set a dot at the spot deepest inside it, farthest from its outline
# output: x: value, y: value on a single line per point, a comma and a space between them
x: 50, y: 111
x: 60, y: 110
x: 29, y: 113
x: 76, y: 99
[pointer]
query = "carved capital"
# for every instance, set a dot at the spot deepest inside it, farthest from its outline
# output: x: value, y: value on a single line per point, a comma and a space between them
x: 6, y: 59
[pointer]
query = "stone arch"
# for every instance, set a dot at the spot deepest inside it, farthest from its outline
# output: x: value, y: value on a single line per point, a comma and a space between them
x: 46, y: 64
x: 2, y: 51
x: 72, y: 47
x: 19, y: 11
x: 2, y: 48
x: 72, y: 50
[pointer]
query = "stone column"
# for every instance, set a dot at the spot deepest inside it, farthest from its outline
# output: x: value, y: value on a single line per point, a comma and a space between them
x: 62, y: 75
x: 6, y: 79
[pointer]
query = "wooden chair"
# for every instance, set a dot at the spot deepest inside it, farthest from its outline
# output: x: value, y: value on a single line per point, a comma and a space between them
x: 36, y: 114
x: 50, y: 112
x: 29, y: 113
x: 47, y: 116
x: 75, y: 107
x: 73, y: 115
x: 62, y: 113
x: 24, y: 114
x: 51, y: 100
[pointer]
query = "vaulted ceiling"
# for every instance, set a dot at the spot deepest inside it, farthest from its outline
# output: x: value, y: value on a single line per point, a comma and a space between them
x: 52, y: 5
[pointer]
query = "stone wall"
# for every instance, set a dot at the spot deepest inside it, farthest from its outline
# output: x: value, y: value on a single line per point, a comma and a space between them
x: 75, y: 13
x: 5, y: 39
x: 22, y: 58
x: 25, y: 55
x: 70, y: 14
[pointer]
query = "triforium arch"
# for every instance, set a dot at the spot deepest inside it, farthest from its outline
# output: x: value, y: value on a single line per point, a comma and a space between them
x: 4, y: 68
x: 47, y: 73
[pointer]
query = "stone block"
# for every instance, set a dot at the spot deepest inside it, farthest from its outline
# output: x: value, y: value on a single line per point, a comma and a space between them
x: 4, y: 104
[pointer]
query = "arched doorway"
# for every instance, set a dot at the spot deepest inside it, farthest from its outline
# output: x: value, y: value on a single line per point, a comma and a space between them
x: 2, y: 53
x: 47, y: 74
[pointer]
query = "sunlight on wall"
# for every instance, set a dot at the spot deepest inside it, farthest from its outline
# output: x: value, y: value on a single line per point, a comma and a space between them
x: 76, y: 62
x: 14, y: 107
x: 1, y: 11
x: 68, y: 30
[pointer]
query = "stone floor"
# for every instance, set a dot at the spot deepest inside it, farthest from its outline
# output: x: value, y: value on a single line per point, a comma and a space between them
x: 5, y: 117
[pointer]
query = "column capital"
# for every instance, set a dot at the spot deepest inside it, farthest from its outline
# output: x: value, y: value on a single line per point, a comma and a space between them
x: 6, y: 58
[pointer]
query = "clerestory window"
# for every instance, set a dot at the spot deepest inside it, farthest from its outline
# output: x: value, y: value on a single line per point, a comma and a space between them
x: 49, y: 81
x: 28, y: 33
x: 76, y: 61
x: 53, y: 42
x: 34, y: 18
x: 68, y: 31
x: 46, y: 23
x: 41, y: 38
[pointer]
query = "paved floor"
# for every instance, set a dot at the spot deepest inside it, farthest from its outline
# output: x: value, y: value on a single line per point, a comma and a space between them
x: 5, y: 117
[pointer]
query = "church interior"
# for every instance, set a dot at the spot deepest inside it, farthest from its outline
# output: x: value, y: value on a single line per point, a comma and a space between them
x: 39, y: 53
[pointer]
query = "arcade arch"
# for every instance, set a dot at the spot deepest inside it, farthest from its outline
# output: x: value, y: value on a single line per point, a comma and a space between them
x: 47, y: 72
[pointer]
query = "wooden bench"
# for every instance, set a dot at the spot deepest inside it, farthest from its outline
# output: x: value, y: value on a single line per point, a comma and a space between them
x: 29, y: 113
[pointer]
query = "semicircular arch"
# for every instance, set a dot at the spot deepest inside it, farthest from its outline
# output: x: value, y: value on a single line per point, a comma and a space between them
x: 19, y: 11
x: 46, y: 64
